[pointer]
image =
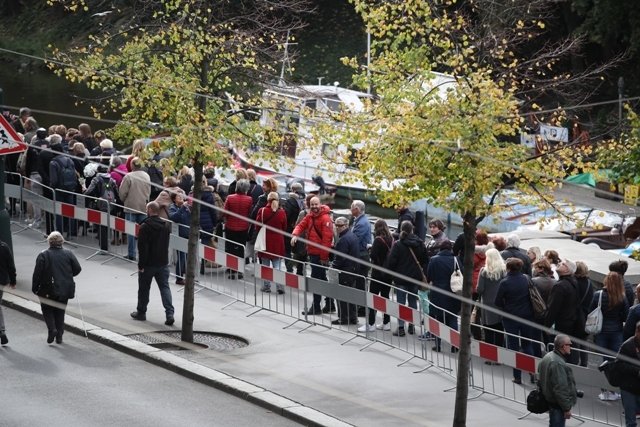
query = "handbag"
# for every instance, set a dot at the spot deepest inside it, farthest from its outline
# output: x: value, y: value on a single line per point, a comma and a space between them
x: 537, y: 302
x: 47, y: 283
x: 456, y: 278
x: 536, y: 403
x: 261, y: 239
x: 424, y: 278
x: 611, y: 372
x: 593, y: 325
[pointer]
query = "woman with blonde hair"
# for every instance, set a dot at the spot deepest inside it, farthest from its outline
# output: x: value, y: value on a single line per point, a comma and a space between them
x: 490, y: 276
x: 275, y: 217
x: 136, y: 149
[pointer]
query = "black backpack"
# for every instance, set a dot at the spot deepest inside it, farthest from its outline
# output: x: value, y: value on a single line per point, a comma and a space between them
x: 157, y: 180
x: 67, y: 177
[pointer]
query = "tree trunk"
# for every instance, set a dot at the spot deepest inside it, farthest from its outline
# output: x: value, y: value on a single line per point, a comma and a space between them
x: 464, y: 356
x: 192, y: 256
x: 194, y: 226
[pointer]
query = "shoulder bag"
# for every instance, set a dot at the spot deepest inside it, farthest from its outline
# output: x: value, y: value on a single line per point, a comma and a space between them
x: 593, y: 324
x: 456, y: 278
x: 261, y: 238
x: 424, y: 278
x: 537, y: 302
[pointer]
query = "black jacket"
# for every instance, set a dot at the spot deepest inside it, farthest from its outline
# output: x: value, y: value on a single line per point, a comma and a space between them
x: 630, y: 373
x: 563, y: 307
x: 401, y: 261
x: 153, y: 242
x: 7, y: 265
x: 64, y: 267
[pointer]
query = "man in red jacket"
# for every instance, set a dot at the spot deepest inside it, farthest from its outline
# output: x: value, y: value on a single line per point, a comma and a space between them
x: 318, y: 226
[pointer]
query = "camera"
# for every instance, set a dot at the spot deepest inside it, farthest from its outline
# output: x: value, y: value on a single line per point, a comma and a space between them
x: 580, y: 393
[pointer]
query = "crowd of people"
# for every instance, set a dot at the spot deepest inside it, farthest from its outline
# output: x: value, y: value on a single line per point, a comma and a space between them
x: 58, y: 158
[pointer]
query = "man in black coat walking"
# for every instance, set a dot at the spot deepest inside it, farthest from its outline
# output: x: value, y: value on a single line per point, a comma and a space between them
x: 153, y: 262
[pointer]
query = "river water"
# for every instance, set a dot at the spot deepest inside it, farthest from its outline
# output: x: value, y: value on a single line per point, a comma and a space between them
x: 53, y: 99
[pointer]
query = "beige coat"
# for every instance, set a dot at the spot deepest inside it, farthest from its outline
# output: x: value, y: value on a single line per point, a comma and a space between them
x: 135, y: 190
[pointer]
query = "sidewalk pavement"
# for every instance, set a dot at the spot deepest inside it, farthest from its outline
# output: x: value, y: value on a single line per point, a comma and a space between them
x: 307, y: 376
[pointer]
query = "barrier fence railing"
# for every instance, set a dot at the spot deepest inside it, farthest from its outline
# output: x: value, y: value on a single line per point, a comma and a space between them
x: 491, y: 365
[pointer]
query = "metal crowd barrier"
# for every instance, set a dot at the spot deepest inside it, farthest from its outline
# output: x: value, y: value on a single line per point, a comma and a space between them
x: 491, y: 365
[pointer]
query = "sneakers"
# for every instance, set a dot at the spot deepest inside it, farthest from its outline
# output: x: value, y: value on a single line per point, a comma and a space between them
x: 609, y: 395
x: 138, y: 316
x: 345, y: 322
x: 3, y: 338
x: 170, y: 321
x: 367, y: 328
x: 266, y: 289
x: 280, y: 291
x: 179, y: 281
x: 383, y: 327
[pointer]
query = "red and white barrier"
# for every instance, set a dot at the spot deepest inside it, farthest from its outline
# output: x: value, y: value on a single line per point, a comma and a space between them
x: 280, y: 277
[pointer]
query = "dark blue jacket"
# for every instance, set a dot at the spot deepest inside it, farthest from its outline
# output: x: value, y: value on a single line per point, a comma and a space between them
x: 612, y: 318
x: 439, y: 274
x: 513, y: 296
x: 347, y: 244
x: 182, y: 216
x: 208, y: 217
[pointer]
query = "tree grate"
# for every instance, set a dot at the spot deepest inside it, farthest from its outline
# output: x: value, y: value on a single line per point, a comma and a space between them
x: 170, y: 341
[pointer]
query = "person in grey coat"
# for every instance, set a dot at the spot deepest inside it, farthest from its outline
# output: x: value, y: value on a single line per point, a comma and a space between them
x: 53, y: 283
x: 7, y: 278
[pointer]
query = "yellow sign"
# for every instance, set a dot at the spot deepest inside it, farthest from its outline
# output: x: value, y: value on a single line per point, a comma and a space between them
x: 631, y: 195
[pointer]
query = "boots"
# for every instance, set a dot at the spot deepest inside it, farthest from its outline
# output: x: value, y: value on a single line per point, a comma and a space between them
x: 329, y: 306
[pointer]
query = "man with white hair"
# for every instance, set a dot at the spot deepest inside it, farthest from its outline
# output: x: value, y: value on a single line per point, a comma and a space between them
x: 362, y: 229
x: 562, y: 309
x: 513, y: 250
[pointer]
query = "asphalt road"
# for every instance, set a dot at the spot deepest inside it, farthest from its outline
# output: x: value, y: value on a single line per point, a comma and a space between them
x: 84, y: 383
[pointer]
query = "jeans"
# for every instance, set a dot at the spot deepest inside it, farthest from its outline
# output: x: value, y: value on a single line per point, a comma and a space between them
x: 63, y: 224
x: 556, y: 417
x: 181, y: 264
x: 161, y: 274
x: 317, y: 272
x: 631, y: 404
x: 518, y: 330
x: 275, y: 263
x: 402, y: 297
x: 449, y: 319
x: 54, y: 315
x: 609, y: 340
x: 131, y: 240
x: 36, y: 187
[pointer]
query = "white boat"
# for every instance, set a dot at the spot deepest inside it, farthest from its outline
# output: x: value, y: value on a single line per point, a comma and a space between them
x: 297, y: 109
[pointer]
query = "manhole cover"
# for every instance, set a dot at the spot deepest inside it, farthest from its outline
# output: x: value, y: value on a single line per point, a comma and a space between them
x: 170, y: 341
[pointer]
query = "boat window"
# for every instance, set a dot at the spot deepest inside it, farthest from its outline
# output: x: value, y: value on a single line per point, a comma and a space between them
x: 599, y: 218
x: 328, y: 151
